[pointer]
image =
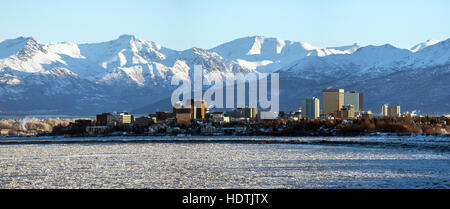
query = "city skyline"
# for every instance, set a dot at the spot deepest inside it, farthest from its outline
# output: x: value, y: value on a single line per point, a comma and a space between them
x: 221, y: 95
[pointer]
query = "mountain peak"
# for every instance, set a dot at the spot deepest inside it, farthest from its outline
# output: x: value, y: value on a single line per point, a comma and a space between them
x: 22, y: 46
x: 423, y: 45
x: 257, y: 37
x: 348, y: 48
x: 371, y: 48
x: 133, y: 42
x: 388, y: 46
x: 127, y: 36
x: 373, y: 55
x: 22, y: 39
x: 355, y: 45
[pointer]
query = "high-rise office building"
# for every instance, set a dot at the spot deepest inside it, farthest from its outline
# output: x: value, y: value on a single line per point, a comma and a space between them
x: 310, y: 108
x: 384, y: 110
x: 390, y: 110
x: 332, y: 100
x: 394, y: 111
x: 354, y: 98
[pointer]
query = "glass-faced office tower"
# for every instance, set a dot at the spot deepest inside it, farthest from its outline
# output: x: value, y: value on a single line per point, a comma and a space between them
x: 310, y: 108
x: 354, y: 98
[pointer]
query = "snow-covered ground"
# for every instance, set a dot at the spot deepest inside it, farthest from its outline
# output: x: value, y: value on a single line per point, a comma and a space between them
x: 227, y: 162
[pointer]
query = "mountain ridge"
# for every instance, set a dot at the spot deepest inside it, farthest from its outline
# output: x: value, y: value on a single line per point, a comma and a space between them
x: 129, y: 72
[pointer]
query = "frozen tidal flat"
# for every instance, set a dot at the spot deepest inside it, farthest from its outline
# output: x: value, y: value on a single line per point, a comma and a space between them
x: 221, y: 165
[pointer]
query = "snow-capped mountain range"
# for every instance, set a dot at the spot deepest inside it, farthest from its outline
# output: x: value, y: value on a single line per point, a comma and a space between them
x: 128, y: 73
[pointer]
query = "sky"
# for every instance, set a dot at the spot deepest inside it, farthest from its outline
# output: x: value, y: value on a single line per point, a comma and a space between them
x: 181, y: 24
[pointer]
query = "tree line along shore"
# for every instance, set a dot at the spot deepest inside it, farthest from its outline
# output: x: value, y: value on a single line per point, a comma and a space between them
x: 278, y: 127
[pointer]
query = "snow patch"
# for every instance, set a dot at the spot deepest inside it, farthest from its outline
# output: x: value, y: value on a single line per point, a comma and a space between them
x: 423, y: 45
x: 257, y: 45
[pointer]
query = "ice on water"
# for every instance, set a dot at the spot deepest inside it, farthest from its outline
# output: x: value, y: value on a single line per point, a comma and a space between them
x: 220, y: 165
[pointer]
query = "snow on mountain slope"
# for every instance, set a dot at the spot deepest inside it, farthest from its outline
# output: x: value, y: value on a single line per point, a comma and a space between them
x: 376, y: 59
x: 367, y: 61
x: 126, y: 51
x: 11, y: 47
x: 347, y: 49
x: 26, y: 55
x: 126, y: 60
x: 372, y: 60
x: 135, y: 61
x: 269, y: 54
x: 110, y: 69
x: 423, y: 45
x: 64, y: 48
x: 432, y: 55
x: 129, y: 72
x: 9, y: 79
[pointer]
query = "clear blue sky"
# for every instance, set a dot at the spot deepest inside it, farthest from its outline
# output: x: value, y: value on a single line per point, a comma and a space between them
x: 181, y: 24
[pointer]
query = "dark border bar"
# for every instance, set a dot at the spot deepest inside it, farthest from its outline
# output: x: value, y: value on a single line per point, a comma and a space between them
x: 226, y: 198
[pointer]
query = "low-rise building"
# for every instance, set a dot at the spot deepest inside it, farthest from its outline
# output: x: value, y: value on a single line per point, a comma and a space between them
x: 4, y: 132
x: 409, y: 114
x: 234, y: 130
x: 153, y: 117
x: 296, y: 115
x: 108, y: 119
x: 283, y: 115
x: 96, y: 130
x: 79, y: 126
x: 104, y: 119
x: 367, y: 114
x: 209, y: 130
x: 184, y: 116
x: 143, y: 121
x: 214, y: 114
x: 326, y: 116
x: 244, y: 112
x: 240, y: 119
x: 192, y: 110
x: 346, y: 112
x: 162, y: 116
x: 221, y: 119
x: 124, y: 118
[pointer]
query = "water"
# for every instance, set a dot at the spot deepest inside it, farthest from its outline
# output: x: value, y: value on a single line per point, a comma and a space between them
x: 225, y: 163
